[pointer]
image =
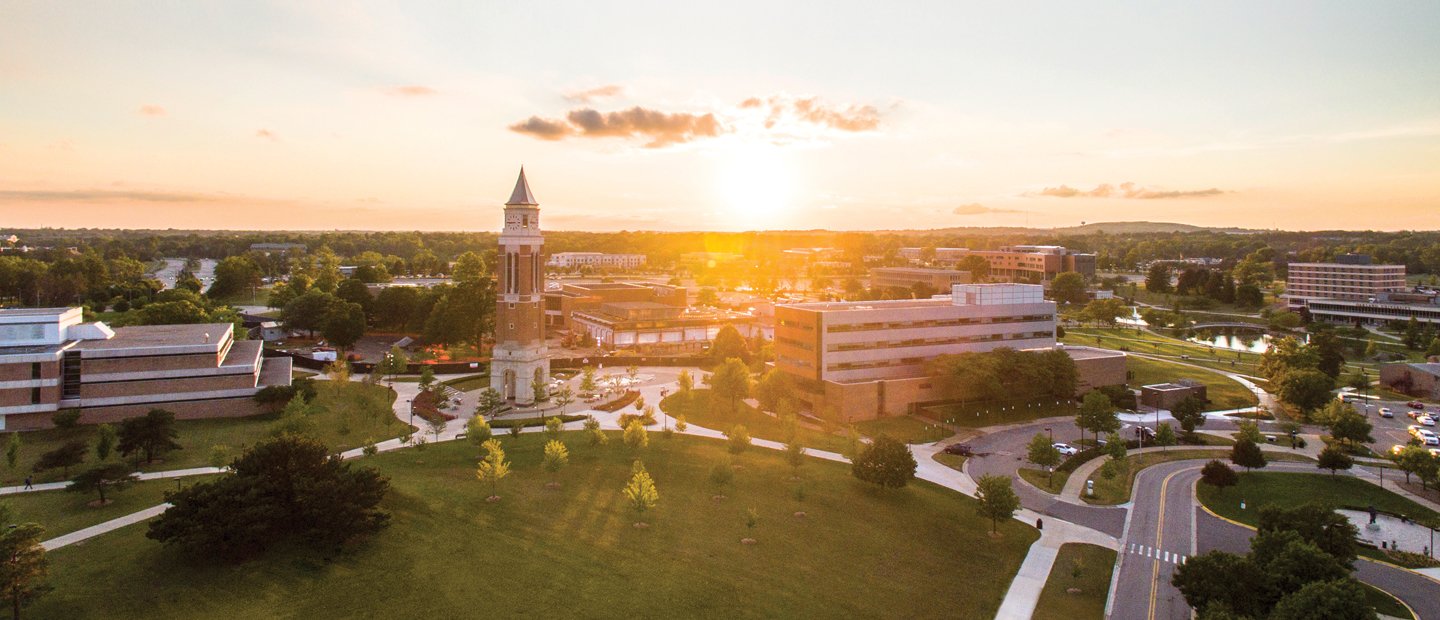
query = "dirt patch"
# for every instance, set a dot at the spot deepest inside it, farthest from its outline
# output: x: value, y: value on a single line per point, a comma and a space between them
x: 95, y: 503
x: 748, y: 541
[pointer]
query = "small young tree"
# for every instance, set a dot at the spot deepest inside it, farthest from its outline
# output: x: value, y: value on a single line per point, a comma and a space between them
x: 515, y: 427
x: 1247, y: 454
x: 105, y: 438
x: 1190, y: 413
x: 1165, y: 437
x: 23, y: 566
x: 1115, y: 447
x: 721, y: 474
x: 1042, y: 452
x: 680, y: 424
x: 219, y: 456
x: 69, y: 454
x: 1249, y: 431
x: 1334, y: 459
x: 738, y: 439
x: 1097, y: 414
x: 598, y: 437
x: 885, y: 462
x: 633, y: 372
x: 394, y: 362
x: 100, y: 478
x: 493, y: 468
x: 488, y: 402
x: 636, y: 437
x: 427, y: 378
x: 794, y: 455
x: 1218, y: 475
x: 553, y: 426
x: 641, y: 492
x: 997, y: 499
x: 538, y: 389
x: 587, y: 380
x: 1351, y: 429
x: 12, y: 451
x: 556, y: 456
x: 562, y: 397
x: 436, y: 423
x: 478, y: 431
x: 687, y: 381
x: 66, y: 419
x: 730, y: 383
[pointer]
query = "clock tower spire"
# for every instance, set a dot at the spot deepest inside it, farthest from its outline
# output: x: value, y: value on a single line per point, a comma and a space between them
x: 520, y: 358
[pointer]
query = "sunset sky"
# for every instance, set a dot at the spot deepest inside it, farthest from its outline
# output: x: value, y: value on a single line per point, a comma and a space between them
x: 726, y: 116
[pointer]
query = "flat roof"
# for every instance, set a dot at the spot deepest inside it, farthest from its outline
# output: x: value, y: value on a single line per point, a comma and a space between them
x: 1085, y: 353
x: 140, y: 336
x: 4, y: 312
x: 919, y: 270
x: 829, y: 306
x: 637, y: 305
x: 601, y: 286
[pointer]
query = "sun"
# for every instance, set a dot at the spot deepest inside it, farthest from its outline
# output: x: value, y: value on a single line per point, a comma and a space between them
x: 755, y: 185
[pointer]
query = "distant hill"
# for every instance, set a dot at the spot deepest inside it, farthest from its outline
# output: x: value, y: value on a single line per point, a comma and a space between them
x: 1130, y: 228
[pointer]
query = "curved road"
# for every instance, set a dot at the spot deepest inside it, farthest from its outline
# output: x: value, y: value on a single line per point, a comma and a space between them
x: 1167, y: 525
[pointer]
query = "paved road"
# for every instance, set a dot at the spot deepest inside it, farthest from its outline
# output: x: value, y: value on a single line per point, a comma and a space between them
x: 1159, y: 536
x: 173, y: 266
x: 1391, y: 431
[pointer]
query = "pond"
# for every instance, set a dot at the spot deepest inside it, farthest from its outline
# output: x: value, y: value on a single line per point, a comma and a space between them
x: 1234, y: 339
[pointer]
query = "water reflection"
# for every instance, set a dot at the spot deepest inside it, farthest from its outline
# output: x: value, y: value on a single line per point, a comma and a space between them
x: 1252, y: 341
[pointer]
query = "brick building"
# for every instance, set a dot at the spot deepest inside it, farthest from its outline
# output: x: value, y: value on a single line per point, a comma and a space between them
x: 520, y: 357
x: 51, y: 360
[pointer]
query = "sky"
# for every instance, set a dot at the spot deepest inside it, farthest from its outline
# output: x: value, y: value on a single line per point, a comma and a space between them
x: 742, y: 115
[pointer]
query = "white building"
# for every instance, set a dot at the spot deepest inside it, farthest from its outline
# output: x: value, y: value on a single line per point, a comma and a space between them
x: 594, y: 260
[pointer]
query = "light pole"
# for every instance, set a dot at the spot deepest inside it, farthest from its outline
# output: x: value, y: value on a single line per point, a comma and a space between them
x: 1052, y: 434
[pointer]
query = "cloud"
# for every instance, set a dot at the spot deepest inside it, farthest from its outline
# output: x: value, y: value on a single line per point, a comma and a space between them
x: 976, y: 208
x: 411, y: 91
x: 151, y: 109
x: 267, y: 134
x: 1127, y: 191
x: 778, y: 119
x: 810, y: 110
x: 544, y: 129
x: 590, y: 95
x: 659, y: 128
x: 108, y: 196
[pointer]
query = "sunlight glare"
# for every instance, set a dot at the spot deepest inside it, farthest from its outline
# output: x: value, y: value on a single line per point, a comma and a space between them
x: 755, y: 185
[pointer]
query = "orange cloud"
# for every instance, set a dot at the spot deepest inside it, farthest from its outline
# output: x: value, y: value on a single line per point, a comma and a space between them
x: 411, y: 91
x: 852, y: 118
x: 599, y: 92
x: 659, y: 128
x: 151, y: 109
x: 1128, y: 191
x: 267, y: 134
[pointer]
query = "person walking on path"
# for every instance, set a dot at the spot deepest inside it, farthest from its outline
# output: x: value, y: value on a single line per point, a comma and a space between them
x: 28, y: 486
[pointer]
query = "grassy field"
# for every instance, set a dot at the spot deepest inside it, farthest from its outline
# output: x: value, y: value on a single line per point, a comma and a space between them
x: 1224, y: 393
x: 1149, y: 343
x: 1043, y: 480
x: 989, y: 414
x: 346, y: 415
x: 572, y: 551
x: 953, y: 461
x: 904, y: 428
x: 1383, y: 603
x: 1263, y: 488
x: 697, y: 410
x: 62, y: 512
x: 1116, y: 490
x: 1094, y: 565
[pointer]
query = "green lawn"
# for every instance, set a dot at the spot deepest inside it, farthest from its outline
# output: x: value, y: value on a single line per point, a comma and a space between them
x: 980, y: 415
x: 62, y: 512
x: 572, y: 551
x: 697, y: 409
x: 1382, y: 602
x: 1044, y: 480
x: 1093, y: 564
x: 1224, y: 393
x: 1261, y: 488
x: 345, y: 416
x: 904, y: 428
x: 1116, y: 490
x: 953, y: 461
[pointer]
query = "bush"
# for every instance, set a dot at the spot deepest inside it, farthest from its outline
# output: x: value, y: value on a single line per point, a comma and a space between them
x: 1121, y: 396
x: 620, y: 403
x: 646, y: 419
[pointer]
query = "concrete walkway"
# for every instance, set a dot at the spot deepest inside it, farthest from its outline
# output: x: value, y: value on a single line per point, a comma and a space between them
x: 149, y: 475
x: 108, y: 526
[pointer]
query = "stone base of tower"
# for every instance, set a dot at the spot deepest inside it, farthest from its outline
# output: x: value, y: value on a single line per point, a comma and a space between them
x: 513, y: 371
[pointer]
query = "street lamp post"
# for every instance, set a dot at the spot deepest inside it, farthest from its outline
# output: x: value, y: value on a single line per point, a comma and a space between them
x: 1052, y: 434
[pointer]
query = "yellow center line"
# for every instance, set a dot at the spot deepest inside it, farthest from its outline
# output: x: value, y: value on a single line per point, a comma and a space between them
x: 1159, y: 535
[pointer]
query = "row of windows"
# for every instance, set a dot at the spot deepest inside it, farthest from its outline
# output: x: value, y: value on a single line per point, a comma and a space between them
x: 925, y: 342
x: 910, y: 361
x: 807, y: 346
x: 860, y: 327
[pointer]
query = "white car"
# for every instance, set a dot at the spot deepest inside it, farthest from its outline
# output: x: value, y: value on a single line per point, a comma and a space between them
x: 1385, y: 412
x: 1425, y: 420
x: 1428, y: 438
x: 1065, y: 449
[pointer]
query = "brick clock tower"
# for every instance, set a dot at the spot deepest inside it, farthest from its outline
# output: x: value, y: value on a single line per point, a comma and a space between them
x: 520, y: 356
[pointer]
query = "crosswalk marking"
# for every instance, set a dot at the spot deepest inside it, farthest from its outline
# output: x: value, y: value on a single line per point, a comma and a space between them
x: 1147, y: 551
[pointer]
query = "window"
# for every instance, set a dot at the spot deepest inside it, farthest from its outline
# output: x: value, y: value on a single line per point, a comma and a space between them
x: 35, y: 370
x: 34, y: 395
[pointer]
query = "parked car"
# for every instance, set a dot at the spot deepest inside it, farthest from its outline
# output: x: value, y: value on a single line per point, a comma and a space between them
x: 1425, y: 420
x: 1066, y: 449
x: 1397, y: 448
x: 1386, y: 413
x: 1430, y: 439
x: 1415, y: 404
x: 1145, y: 432
x: 1415, y: 414
x: 962, y: 449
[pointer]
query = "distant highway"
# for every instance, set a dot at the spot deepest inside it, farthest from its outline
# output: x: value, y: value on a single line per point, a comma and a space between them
x: 168, y: 274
